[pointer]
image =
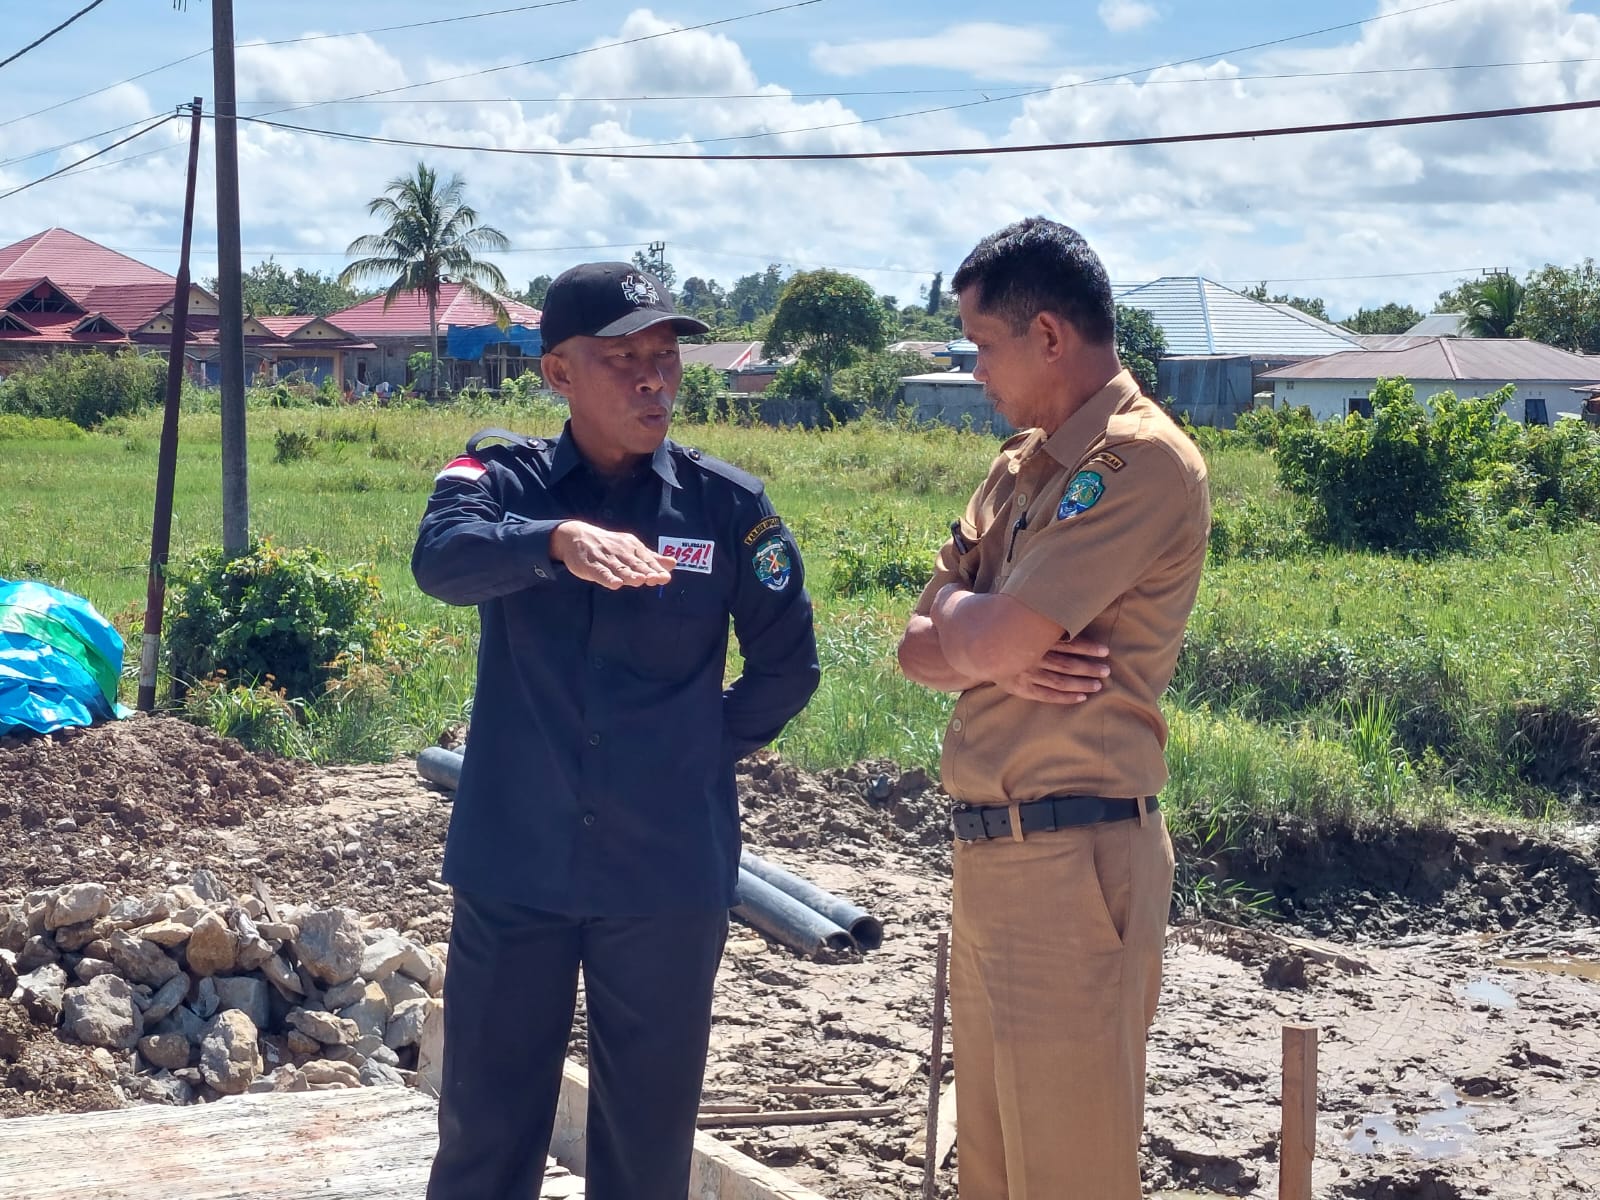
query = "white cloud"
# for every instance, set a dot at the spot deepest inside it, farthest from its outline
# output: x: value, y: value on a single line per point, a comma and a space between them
x: 1513, y: 193
x: 1122, y: 16
x: 982, y: 49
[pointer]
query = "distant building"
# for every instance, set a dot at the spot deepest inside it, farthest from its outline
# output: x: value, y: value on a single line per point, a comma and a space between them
x: 62, y: 292
x: 743, y: 364
x: 1548, y: 381
x: 492, y: 355
x: 1440, y: 325
x: 1220, y: 343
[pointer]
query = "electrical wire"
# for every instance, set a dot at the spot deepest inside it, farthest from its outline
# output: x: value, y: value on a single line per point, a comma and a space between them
x: 550, y: 58
x: 88, y: 137
x: 103, y: 150
x: 957, y: 151
x: 43, y: 38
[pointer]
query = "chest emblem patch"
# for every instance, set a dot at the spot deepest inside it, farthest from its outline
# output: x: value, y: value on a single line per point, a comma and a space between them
x: 690, y: 554
x: 1082, y: 494
x: 774, y: 567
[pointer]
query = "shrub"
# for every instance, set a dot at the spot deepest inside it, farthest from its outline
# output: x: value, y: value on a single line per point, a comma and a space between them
x: 85, y: 389
x: 876, y: 552
x: 14, y: 428
x: 797, y: 381
x: 523, y: 389
x: 873, y: 385
x: 292, y: 445
x: 699, y: 395
x: 1264, y: 426
x: 274, y: 616
x: 1406, y: 479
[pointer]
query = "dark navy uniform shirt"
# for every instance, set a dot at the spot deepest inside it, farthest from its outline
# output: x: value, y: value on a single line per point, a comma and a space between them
x: 598, y: 777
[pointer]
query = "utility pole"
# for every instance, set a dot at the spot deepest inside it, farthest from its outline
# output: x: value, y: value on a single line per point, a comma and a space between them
x: 167, y: 458
x: 658, y: 257
x: 230, y: 300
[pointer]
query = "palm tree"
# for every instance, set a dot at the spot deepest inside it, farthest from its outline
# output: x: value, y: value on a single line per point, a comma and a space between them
x: 432, y: 237
x: 1493, y: 305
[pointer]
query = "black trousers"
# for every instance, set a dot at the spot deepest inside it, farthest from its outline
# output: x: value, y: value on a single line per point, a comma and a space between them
x: 510, y: 992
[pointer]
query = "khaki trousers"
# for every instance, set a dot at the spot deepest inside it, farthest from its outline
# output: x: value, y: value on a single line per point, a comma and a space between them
x: 1055, y: 970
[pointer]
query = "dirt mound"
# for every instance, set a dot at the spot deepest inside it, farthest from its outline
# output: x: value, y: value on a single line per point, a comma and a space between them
x: 1397, y: 881
x: 113, y: 791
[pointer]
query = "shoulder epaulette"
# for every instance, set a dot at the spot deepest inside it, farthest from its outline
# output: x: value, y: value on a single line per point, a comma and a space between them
x: 1016, y: 439
x: 728, y: 471
x: 503, y: 435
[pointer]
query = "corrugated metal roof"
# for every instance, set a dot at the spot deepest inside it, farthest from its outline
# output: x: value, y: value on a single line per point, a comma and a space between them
x: 722, y: 356
x: 75, y: 262
x: 408, y: 315
x: 1438, y: 325
x: 1494, y: 361
x: 1200, y: 316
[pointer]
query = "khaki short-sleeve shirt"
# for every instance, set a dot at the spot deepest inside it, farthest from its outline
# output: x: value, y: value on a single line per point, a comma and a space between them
x: 1102, y: 527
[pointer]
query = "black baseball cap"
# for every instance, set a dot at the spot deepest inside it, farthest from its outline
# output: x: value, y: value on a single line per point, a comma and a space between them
x: 610, y: 299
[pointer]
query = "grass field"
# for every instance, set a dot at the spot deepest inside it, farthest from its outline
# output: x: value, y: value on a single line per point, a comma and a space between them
x: 1326, y: 685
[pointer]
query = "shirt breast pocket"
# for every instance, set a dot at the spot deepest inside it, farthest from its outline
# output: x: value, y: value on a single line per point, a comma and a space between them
x: 675, y: 629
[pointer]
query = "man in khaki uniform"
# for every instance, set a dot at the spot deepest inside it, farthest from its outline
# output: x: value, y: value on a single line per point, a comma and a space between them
x: 1057, y: 610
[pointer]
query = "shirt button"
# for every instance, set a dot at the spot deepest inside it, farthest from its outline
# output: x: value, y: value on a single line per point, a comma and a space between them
x: 588, y: 818
x: 540, y: 572
x: 1022, y: 500
x: 594, y: 739
x: 955, y: 726
x: 598, y: 663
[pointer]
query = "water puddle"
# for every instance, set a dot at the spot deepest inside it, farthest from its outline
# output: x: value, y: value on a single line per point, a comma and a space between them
x: 1487, y: 991
x: 1575, y: 968
x: 1444, y: 1133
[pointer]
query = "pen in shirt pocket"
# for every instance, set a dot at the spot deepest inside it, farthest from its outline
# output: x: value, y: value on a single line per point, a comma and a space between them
x: 1022, y: 524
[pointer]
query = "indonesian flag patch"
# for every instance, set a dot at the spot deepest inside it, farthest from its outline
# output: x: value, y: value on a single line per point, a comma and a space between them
x: 465, y: 468
x: 691, y: 554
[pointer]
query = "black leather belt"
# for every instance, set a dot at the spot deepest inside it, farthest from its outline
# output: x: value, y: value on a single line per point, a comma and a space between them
x: 980, y: 822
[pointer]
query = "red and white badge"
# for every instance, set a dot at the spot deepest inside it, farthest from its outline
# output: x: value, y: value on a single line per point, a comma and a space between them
x: 464, y: 468
x: 689, y: 553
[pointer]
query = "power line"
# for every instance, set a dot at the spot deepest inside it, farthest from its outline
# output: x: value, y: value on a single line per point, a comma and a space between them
x: 88, y: 137
x: 985, y: 92
x: 943, y: 108
x: 550, y: 58
x: 322, y: 37
x: 961, y: 151
x: 43, y: 38
x: 298, y: 253
x: 1346, y: 278
x: 103, y: 150
x: 316, y: 37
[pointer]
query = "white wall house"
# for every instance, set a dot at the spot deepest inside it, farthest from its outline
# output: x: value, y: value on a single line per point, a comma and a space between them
x: 1543, y: 377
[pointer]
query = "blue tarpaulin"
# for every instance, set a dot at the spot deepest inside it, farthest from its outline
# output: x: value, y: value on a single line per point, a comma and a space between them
x: 60, y: 660
x: 466, y: 343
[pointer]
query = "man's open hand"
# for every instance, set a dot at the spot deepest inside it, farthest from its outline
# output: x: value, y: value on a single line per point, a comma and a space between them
x: 1069, y: 673
x: 604, y: 556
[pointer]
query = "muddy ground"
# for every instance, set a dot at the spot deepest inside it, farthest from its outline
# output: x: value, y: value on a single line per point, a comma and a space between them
x: 1460, y: 1024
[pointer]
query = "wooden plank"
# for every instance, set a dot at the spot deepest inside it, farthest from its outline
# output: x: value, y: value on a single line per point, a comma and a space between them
x: 794, y: 1116
x: 816, y: 1089
x: 1297, y: 1148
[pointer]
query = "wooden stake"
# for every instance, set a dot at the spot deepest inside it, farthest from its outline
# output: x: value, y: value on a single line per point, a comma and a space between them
x: 930, y: 1155
x: 796, y: 1116
x: 815, y: 1089
x: 1297, y: 1147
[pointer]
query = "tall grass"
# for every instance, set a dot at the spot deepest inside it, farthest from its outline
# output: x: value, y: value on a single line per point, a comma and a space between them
x: 1330, y: 687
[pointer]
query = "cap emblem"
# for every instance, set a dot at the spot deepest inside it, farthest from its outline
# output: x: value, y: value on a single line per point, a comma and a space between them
x: 640, y: 290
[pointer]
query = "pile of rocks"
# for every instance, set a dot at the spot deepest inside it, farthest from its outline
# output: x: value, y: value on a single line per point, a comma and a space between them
x: 196, y: 993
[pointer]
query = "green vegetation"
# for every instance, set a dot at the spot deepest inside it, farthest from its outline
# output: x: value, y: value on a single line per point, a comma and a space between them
x: 84, y: 389
x: 1339, y: 684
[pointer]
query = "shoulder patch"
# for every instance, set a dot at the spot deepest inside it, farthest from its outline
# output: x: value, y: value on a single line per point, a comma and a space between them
x: 773, y: 566
x: 1082, y: 494
x: 500, y: 435
x: 1107, y: 459
x: 715, y: 466
x: 463, y: 467
x: 764, y: 526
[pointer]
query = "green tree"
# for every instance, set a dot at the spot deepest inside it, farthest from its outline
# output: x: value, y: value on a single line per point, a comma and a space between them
x: 1311, y: 305
x: 1390, y: 318
x: 873, y: 384
x: 270, y: 291
x: 754, y: 296
x: 432, y: 237
x: 1561, y: 306
x: 1140, y: 345
x: 662, y: 270
x: 827, y: 318
x: 935, y: 294
x: 1493, y: 306
x: 534, y: 293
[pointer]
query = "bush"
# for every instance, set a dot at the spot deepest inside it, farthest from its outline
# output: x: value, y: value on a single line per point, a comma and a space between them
x: 699, y: 395
x: 37, y: 429
x: 1264, y: 426
x: 873, y: 385
x: 85, y: 389
x: 797, y: 381
x: 276, y: 617
x: 292, y: 445
x: 1408, y: 480
x: 875, y: 552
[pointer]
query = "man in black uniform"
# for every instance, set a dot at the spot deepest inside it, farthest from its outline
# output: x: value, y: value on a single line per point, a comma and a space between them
x: 596, y: 822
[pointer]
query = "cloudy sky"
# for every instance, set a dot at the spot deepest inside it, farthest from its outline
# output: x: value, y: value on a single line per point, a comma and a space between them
x: 1358, y: 217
